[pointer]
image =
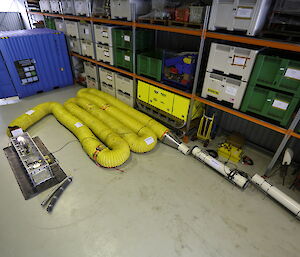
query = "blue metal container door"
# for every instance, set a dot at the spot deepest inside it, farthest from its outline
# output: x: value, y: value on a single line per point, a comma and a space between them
x: 7, y: 88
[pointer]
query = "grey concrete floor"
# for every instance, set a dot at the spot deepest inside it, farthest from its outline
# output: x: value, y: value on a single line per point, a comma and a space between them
x: 163, y: 204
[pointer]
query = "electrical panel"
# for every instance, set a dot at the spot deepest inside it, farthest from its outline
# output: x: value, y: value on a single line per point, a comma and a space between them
x: 72, y: 28
x: 122, y: 8
x: 240, y: 15
x: 85, y: 31
x: 105, y: 53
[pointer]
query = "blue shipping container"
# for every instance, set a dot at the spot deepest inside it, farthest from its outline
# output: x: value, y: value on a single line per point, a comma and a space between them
x: 33, y: 61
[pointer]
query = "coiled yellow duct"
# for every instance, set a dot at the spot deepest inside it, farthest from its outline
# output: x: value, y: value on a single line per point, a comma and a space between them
x: 140, y: 140
x: 92, y: 146
x: 125, y: 110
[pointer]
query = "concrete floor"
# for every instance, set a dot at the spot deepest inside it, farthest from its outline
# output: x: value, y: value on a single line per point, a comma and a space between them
x: 164, y: 204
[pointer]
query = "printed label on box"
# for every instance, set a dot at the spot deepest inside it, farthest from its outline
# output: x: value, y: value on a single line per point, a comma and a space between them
x: 71, y: 44
x: 86, y: 31
x: 127, y: 58
x: 104, y: 34
x: 292, y: 73
x: 231, y: 90
x: 215, y: 92
x: 84, y: 47
x: 78, y: 125
x: 30, y: 112
x: 109, y: 77
x: 149, y: 140
x: 280, y: 104
x: 60, y: 26
x: 244, y: 12
x: 127, y: 38
x: 106, y: 53
x: 240, y: 61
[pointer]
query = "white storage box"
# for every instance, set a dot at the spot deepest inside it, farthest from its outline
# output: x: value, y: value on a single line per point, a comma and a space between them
x: 45, y: 6
x: 125, y: 97
x: 103, y: 34
x: 107, y: 76
x: 60, y: 25
x: 90, y: 70
x: 196, y: 14
x: 74, y: 45
x: 105, y: 53
x: 68, y: 7
x: 231, y: 60
x: 122, y: 8
x: 87, y: 48
x: 108, y: 89
x: 239, y: 15
x: 224, y: 88
x: 85, y: 31
x: 72, y: 28
x: 82, y: 7
x: 54, y: 4
x: 91, y: 83
x: 124, y: 84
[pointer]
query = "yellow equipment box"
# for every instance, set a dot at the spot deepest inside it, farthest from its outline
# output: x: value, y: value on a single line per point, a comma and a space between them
x: 168, y: 102
x: 230, y: 152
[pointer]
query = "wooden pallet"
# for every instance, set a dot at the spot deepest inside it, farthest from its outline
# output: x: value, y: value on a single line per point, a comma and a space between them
x: 184, y: 24
x: 153, y: 21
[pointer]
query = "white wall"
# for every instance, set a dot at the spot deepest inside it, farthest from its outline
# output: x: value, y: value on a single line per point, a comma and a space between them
x: 15, y: 6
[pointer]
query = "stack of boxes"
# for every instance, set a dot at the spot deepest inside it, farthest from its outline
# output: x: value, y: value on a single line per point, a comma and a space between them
x: 60, y: 25
x: 82, y: 7
x: 91, y: 75
x: 68, y: 7
x: 72, y: 33
x: 227, y: 73
x: 86, y: 39
x: 103, y: 38
x: 55, y: 8
x: 274, y: 88
x: 108, y: 83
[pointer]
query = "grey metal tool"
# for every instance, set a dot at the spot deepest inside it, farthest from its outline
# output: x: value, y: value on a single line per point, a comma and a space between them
x: 58, y: 193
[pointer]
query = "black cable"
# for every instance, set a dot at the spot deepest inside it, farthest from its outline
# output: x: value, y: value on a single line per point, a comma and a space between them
x: 75, y: 140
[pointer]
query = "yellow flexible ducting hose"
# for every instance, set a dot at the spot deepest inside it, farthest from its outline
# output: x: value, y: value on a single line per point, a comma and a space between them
x: 125, y: 110
x: 91, y: 145
x: 140, y: 140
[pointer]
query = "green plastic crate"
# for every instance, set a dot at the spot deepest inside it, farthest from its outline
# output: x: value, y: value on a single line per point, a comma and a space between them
x: 122, y: 38
x: 150, y: 64
x: 271, y: 104
x: 278, y: 73
x: 123, y: 58
x: 49, y: 23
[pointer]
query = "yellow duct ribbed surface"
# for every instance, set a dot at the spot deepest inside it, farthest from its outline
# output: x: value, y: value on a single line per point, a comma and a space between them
x: 140, y: 141
x: 127, y: 110
x: 92, y: 146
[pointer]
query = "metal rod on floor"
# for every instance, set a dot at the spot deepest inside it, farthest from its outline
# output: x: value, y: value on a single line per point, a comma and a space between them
x: 282, y: 144
x: 196, y: 77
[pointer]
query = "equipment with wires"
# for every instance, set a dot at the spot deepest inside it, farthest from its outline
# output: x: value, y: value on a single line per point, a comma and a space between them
x: 230, y: 152
x: 37, y: 167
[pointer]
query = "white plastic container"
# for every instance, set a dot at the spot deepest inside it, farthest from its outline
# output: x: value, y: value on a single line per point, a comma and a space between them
x: 103, y: 34
x: 240, y: 15
x: 85, y: 31
x: 125, y: 91
x: 68, y: 7
x: 224, y: 88
x: 91, y: 83
x: 107, y: 81
x: 87, y: 48
x: 72, y: 28
x: 196, y: 14
x: 90, y: 70
x: 231, y: 60
x: 105, y: 53
x: 60, y: 25
x: 55, y: 8
x: 45, y: 6
x: 122, y: 8
x: 82, y: 7
x: 74, y: 45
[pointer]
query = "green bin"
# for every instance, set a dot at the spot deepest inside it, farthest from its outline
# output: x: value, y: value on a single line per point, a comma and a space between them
x: 150, y: 64
x: 123, y: 58
x: 271, y: 104
x: 122, y: 38
x: 49, y: 23
x: 277, y: 73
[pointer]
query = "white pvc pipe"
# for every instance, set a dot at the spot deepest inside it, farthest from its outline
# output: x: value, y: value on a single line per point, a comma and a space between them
x: 237, y: 178
x: 183, y: 148
x: 278, y: 195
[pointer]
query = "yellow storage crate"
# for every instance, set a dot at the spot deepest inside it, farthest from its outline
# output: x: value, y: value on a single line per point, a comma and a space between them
x: 143, y: 91
x: 161, y: 99
x: 181, y: 106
